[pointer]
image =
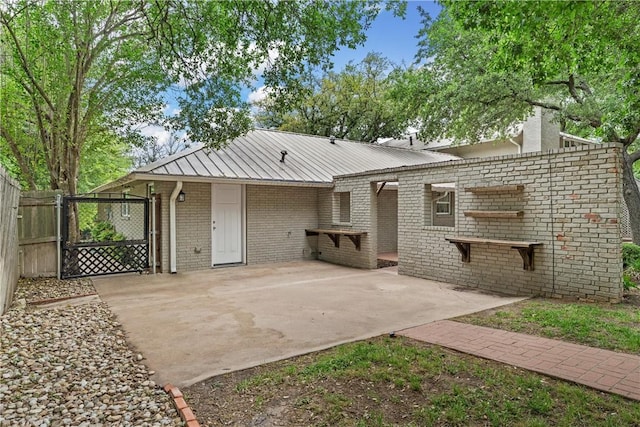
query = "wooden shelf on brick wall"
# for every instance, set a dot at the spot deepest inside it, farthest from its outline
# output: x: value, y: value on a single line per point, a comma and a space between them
x: 495, y: 189
x: 525, y: 249
x: 334, y: 235
x: 494, y: 214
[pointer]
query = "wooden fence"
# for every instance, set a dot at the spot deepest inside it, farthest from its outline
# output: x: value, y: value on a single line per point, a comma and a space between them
x: 9, y: 197
x: 37, y: 231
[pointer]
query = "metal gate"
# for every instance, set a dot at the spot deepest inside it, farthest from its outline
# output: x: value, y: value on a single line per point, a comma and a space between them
x: 102, y: 235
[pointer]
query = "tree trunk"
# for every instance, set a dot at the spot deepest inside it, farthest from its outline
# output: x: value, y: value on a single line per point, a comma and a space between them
x: 71, y: 188
x: 631, y: 194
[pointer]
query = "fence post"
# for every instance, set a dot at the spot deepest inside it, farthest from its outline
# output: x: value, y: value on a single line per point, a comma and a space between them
x: 58, y: 236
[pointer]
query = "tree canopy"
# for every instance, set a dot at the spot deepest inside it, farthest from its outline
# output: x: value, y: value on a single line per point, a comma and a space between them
x: 152, y: 149
x: 486, y: 64
x: 73, y: 70
x: 351, y: 104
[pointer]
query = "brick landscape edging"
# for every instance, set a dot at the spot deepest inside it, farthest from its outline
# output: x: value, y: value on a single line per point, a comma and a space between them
x: 52, y: 300
x: 181, y: 406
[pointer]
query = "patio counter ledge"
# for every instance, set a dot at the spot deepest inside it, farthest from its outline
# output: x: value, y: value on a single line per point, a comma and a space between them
x: 334, y: 235
x: 524, y: 248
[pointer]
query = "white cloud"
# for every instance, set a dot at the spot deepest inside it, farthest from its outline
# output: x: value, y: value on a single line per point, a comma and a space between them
x: 273, y: 54
x: 258, y: 95
x: 158, y: 132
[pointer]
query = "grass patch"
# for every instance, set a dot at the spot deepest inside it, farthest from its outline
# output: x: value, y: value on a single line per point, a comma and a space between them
x: 270, y: 379
x: 384, y: 382
x: 608, y: 326
x: 392, y: 362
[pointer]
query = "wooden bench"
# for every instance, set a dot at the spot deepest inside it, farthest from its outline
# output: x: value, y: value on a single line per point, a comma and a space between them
x: 525, y: 249
x: 334, y: 235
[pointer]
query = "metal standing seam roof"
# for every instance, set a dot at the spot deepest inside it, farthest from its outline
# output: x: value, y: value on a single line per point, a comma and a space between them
x: 309, y: 159
x: 444, y: 143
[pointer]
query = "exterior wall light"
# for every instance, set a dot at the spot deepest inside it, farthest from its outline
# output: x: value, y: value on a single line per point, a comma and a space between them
x: 182, y: 196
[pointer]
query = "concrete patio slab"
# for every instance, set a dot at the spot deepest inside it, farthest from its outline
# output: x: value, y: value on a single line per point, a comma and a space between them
x: 193, y: 325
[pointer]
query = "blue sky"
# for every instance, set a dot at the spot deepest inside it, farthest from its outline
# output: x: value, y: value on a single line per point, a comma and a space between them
x: 393, y: 37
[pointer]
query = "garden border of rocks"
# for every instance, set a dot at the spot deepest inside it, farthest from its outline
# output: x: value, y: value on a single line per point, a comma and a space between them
x: 67, y: 364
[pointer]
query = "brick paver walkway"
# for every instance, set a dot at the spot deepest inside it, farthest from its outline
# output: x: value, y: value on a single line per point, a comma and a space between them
x: 601, y: 369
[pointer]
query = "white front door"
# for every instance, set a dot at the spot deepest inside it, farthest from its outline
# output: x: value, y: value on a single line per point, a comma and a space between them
x: 226, y: 224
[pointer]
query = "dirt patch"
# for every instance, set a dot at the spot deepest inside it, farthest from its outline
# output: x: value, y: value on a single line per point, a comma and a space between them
x: 286, y: 400
x: 384, y: 263
x: 632, y: 298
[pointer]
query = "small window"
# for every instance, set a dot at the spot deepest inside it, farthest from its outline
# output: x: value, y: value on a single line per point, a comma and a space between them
x: 342, y: 207
x: 443, y: 203
x: 440, y: 204
x: 125, y: 211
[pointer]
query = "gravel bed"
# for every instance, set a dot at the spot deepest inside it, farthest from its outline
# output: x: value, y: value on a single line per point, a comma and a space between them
x: 71, y: 366
x: 44, y: 288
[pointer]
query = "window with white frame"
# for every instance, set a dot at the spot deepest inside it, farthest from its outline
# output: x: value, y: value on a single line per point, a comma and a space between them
x: 440, y: 204
x: 443, y: 203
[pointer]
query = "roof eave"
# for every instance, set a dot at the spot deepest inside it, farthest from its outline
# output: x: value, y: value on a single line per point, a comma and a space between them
x: 138, y: 176
x: 577, y: 138
x: 117, y: 183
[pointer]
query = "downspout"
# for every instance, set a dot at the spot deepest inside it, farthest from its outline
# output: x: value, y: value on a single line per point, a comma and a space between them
x: 154, y: 261
x: 511, y: 140
x: 446, y: 193
x: 172, y: 227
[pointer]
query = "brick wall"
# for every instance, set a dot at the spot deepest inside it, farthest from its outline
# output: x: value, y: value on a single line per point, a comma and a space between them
x: 276, y: 219
x: 193, y: 226
x: 364, y: 217
x: 571, y: 202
